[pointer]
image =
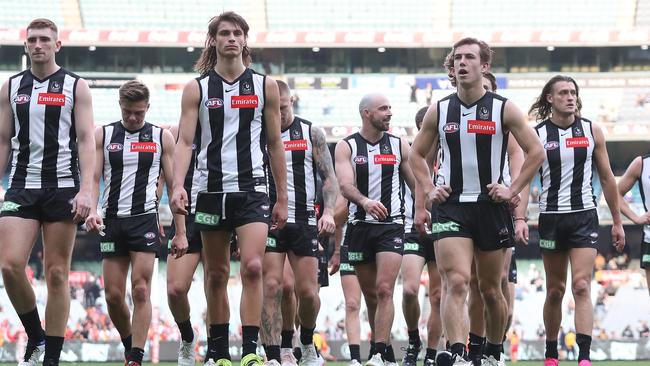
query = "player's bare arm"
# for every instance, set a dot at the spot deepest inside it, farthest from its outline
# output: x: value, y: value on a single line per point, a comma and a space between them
x: 345, y: 175
x: 276, y: 152
x: 323, y: 160
x: 608, y: 182
x: 94, y: 221
x: 183, y: 151
x: 6, y: 125
x: 627, y: 181
x: 515, y: 122
x: 84, y: 127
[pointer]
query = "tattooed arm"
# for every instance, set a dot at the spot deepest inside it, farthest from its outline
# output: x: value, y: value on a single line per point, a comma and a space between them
x: 323, y: 160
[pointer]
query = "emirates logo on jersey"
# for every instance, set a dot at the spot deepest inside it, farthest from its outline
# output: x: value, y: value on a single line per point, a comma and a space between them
x: 482, y: 127
x: 574, y: 142
x: 145, y: 147
x: 213, y: 103
x: 293, y: 145
x: 389, y: 159
x: 51, y: 99
x: 244, y: 101
x: 114, y: 147
x: 22, y: 98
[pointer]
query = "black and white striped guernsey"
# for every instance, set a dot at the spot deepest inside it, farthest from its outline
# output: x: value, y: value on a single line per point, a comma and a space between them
x: 566, y: 173
x: 377, y: 176
x: 131, y: 169
x: 473, y: 144
x: 44, y: 142
x: 409, y: 209
x: 192, y: 183
x: 231, y: 157
x: 301, y: 173
x: 644, y: 187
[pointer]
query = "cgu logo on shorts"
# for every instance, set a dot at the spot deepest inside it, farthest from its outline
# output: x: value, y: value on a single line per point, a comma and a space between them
x: 213, y: 103
x: 107, y: 247
x: 244, y: 101
x: 22, y: 98
x: 444, y: 227
x: 271, y: 242
x: 9, y: 206
x: 293, y: 145
x: 206, y: 219
x: 114, y: 147
x: 481, y: 127
x: 146, y: 147
x: 355, y: 256
x: 51, y: 99
x: 574, y: 142
x: 547, y: 244
x: 389, y: 159
x: 412, y: 246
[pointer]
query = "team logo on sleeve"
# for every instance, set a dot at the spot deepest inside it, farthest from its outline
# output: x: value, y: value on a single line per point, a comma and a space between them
x: 451, y: 127
x: 22, y: 98
x: 213, y: 103
x: 360, y: 160
x: 114, y: 147
x: 551, y: 145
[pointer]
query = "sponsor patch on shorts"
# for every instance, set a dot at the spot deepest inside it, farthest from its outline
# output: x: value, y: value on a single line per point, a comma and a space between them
x: 444, y: 227
x: 355, y: 256
x: 346, y: 267
x: 107, y: 247
x: 645, y: 258
x: 412, y: 247
x: 271, y: 242
x: 206, y: 219
x: 547, y: 244
x: 8, y: 206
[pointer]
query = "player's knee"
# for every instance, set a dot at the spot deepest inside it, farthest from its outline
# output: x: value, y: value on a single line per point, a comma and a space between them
x: 140, y: 293
x: 114, y: 297
x: 287, y: 287
x: 581, y: 288
x: 218, y: 277
x: 252, y: 269
x: 56, y: 277
x: 555, y: 293
x: 435, y: 296
x: 457, y: 284
x: 491, y: 295
x: 176, y: 292
x: 385, y: 291
x: 352, y: 306
x: 272, y: 286
x: 12, y: 270
x: 410, y: 291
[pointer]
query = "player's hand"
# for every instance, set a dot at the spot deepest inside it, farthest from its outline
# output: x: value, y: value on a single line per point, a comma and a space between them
x: 81, y: 206
x: 375, y: 208
x: 95, y: 224
x: 521, y: 232
x: 422, y: 221
x: 279, y: 216
x: 499, y: 192
x: 438, y: 195
x: 514, y: 203
x: 161, y: 229
x: 179, y: 201
x: 179, y: 246
x: 326, y: 225
x: 643, y: 219
x: 618, y: 237
x: 335, y: 262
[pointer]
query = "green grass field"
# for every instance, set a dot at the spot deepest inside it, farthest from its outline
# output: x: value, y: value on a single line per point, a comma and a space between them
x: 520, y: 363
